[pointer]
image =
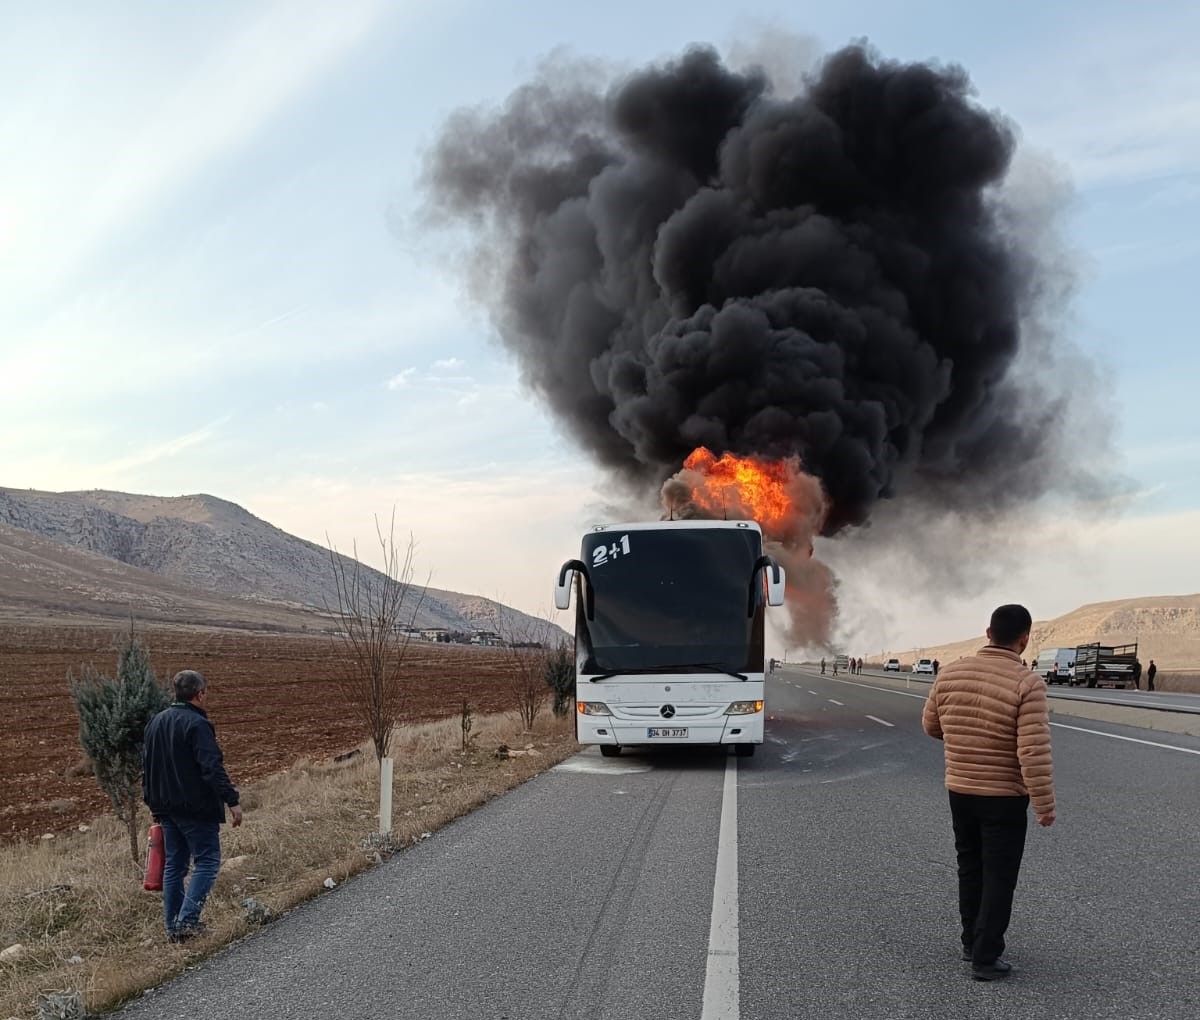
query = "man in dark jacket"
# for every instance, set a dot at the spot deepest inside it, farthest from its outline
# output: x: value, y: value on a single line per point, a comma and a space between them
x: 186, y: 788
x: 1150, y: 676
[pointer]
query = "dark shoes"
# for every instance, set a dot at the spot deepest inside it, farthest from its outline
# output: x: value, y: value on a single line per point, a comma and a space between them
x: 185, y: 933
x: 993, y: 971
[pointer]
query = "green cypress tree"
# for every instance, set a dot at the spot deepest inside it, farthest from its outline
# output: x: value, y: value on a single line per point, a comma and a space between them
x: 558, y: 670
x: 113, y: 714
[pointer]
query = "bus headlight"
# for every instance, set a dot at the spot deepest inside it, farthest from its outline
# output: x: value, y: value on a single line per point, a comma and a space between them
x: 593, y: 708
x: 744, y: 708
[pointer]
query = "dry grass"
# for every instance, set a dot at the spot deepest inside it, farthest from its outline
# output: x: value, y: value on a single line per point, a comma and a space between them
x: 78, y: 896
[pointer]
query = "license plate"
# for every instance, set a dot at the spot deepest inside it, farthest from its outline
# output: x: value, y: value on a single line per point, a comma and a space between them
x: 666, y: 731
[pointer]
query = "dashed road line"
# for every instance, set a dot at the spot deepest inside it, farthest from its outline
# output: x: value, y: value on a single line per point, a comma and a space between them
x: 838, y: 703
x: 882, y: 722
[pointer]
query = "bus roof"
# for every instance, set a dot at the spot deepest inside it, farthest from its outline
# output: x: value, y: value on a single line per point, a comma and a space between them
x: 689, y: 525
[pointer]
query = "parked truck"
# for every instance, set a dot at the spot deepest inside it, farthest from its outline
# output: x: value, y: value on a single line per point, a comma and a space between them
x: 1098, y: 665
x: 1056, y: 665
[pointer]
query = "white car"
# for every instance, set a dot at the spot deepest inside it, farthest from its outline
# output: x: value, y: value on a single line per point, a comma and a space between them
x: 923, y: 666
x: 892, y: 666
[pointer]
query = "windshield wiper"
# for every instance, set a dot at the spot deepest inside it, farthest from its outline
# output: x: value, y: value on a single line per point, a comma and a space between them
x: 675, y: 667
x: 712, y: 667
x: 632, y: 671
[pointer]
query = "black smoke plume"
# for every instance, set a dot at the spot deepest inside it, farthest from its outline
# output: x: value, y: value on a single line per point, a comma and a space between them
x: 685, y: 258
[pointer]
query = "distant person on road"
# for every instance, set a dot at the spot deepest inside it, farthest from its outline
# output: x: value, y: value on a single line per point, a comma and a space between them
x: 1137, y: 674
x: 1150, y: 674
x: 187, y: 788
x: 991, y: 714
x: 937, y: 665
x: 822, y: 667
x: 852, y: 662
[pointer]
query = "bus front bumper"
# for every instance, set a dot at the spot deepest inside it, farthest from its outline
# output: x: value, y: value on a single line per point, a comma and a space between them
x: 731, y: 729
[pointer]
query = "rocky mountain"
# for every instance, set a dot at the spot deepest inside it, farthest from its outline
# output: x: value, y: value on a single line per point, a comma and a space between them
x: 44, y: 580
x: 202, y: 546
x: 1166, y: 628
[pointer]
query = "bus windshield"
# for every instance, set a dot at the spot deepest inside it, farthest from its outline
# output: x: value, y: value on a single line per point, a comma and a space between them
x: 675, y: 600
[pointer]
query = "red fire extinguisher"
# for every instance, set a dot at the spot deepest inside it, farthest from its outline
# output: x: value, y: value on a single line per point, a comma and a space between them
x: 155, y: 858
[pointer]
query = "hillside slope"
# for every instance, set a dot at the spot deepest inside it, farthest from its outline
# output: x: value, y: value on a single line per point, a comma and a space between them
x: 206, y: 544
x: 1166, y: 627
x: 42, y: 579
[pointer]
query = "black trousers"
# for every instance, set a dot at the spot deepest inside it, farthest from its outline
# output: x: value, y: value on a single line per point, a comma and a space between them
x: 989, y: 836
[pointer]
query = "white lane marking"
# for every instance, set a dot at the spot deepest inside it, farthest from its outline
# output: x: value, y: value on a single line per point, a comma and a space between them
x: 1132, y: 740
x: 1140, y: 703
x: 838, y: 703
x: 722, y: 996
x: 1061, y: 726
x: 882, y: 722
x: 814, y: 694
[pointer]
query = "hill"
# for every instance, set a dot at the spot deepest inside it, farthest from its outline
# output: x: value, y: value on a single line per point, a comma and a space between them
x: 42, y: 579
x: 182, y: 559
x: 1166, y: 627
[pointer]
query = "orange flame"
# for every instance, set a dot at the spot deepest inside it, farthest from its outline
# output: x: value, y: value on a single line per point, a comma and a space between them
x: 742, y: 486
x: 788, y: 504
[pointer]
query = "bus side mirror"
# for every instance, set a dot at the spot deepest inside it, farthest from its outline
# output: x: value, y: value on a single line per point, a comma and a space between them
x: 776, y: 584
x: 562, y: 593
x: 566, y: 578
x: 562, y: 587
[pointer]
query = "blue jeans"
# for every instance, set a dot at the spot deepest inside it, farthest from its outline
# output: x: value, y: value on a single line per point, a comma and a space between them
x: 187, y: 841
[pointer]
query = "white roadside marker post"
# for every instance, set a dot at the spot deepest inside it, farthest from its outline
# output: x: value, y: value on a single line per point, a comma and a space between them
x: 385, y: 796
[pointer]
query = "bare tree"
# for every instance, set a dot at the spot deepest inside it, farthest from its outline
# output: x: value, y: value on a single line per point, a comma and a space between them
x: 528, y: 682
x: 376, y: 611
x: 528, y: 647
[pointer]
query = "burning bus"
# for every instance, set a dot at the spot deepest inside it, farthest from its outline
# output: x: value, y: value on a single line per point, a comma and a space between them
x: 669, y: 633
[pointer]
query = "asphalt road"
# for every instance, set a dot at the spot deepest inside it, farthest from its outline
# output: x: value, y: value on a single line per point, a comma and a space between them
x: 589, y: 892
x: 1171, y: 701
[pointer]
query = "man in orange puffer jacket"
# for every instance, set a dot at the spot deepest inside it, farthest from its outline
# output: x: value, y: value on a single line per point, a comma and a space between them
x: 991, y: 714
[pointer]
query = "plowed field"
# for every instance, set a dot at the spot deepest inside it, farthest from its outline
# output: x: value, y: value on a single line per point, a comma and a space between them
x: 273, y: 699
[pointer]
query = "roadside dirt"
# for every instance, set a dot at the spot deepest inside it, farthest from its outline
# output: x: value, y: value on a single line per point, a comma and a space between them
x: 273, y: 699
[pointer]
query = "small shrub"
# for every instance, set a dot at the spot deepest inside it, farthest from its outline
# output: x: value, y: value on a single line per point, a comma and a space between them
x: 113, y: 714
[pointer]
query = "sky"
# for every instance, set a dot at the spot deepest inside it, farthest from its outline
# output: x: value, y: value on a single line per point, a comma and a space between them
x: 215, y: 275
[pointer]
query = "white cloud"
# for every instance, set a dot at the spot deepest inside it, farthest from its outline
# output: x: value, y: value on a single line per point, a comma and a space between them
x: 460, y: 388
x: 158, y: 126
x: 402, y: 379
x: 1119, y: 100
x: 149, y: 454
